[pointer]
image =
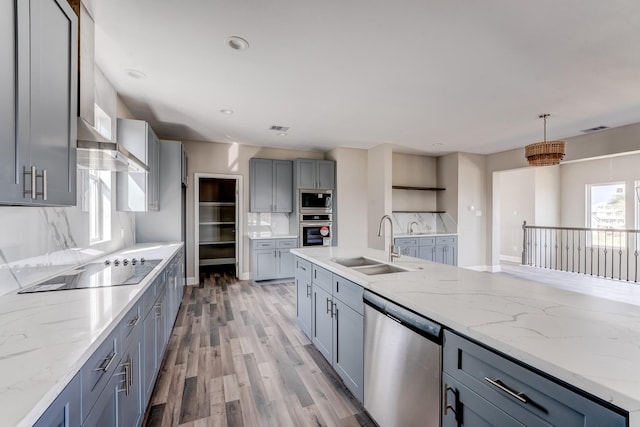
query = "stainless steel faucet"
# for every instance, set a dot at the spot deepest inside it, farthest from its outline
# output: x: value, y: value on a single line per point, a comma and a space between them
x: 392, y: 254
x: 411, y: 226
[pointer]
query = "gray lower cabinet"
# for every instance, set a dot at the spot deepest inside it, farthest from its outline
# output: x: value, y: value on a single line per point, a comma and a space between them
x: 303, y: 295
x: 478, y: 380
x: 114, y: 385
x: 311, y: 173
x: 65, y: 410
x: 442, y: 249
x: 38, y: 102
x: 338, y: 326
x: 271, y: 185
x: 272, y: 259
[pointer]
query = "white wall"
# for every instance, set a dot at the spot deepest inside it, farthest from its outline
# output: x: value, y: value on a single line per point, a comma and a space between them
x: 447, y: 177
x: 379, y: 178
x: 547, y: 196
x: 471, y: 209
x: 516, y: 200
x: 576, y: 176
x: 416, y: 171
x: 351, y: 195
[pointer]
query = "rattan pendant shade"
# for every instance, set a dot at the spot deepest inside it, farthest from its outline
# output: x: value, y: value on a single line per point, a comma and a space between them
x: 545, y: 153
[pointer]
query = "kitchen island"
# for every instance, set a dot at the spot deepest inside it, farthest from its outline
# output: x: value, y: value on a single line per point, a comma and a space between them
x: 590, y: 343
x: 47, y: 337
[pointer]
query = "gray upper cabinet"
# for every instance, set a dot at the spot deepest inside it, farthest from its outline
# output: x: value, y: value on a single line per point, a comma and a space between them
x: 315, y: 174
x: 139, y: 191
x: 271, y: 185
x: 38, y: 102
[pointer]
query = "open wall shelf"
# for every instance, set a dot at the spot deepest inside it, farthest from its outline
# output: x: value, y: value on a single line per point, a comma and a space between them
x: 407, y: 187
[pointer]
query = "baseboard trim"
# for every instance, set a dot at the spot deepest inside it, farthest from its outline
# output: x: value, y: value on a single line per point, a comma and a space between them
x: 482, y: 268
x: 191, y: 281
x: 244, y: 276
x: 511, y: 258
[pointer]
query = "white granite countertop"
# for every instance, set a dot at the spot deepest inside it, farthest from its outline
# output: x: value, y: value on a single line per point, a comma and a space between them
x: 46, y: 337
x: 434, y: 234
x: 589, y: 342
x: 258, y: 235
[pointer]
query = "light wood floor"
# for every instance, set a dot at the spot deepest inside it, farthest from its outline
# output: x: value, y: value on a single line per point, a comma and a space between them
x: 237, y: 358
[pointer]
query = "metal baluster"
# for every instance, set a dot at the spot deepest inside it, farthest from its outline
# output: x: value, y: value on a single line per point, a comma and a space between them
x: 628, y: 250
x: 579, y: 248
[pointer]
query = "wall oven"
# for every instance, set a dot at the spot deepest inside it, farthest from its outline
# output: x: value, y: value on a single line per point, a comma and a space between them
x: 314, y: 201
x: 315, y: 229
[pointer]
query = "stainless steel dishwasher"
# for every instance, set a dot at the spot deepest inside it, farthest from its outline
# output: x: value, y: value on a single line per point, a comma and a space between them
x: 402, y: 365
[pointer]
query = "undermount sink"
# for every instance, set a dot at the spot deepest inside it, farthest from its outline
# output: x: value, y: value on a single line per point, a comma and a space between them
x: 372, y: 270
x: 369, y: 266
x: 355, y: 262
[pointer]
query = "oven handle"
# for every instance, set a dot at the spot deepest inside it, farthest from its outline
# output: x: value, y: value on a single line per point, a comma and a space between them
x: 315, y: 224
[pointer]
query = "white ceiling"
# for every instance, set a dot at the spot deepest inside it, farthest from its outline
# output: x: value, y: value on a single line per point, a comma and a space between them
x: 472, y: 76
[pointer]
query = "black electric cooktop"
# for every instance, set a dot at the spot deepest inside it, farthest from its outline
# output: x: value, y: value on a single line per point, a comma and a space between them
x: 117, y: 272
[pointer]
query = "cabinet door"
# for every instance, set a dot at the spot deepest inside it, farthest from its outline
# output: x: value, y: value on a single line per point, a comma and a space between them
x: 303, y: 295
x: 439, y: 254
x: 265, y: 263
x: 348, y: 347
x: 261, y: 191
x: 326, y: 174
x: 149, y: 355
x: 285, y: 263
x: 282, y: 186
x: 104, y: 413
x: 153, y: 177
x: 427, y: 252
x: 161, y: 330
x: 65, y: 410
x: 129, y: 397
x: 305, y: 173
x: 465, y: 408
x: 13, y: 156
x: 53, y: 100
x: 322, y: 324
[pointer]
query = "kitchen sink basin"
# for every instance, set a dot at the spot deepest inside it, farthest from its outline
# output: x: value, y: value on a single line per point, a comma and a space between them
x: 355, y: 262
x: 372, y: 270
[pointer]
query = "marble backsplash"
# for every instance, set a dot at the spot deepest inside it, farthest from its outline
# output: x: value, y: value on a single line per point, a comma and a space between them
x: 426, y: 222
x: 37, y: 243
x: 274, y: 223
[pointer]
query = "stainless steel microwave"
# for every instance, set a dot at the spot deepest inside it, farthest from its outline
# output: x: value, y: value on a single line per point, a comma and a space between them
x: 311, y: 200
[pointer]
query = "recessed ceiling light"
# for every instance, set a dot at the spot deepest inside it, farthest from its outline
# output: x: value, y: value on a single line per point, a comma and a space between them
x: 237, y: 43
x: 136, y: 74
x: 226, y: 111
x: 282, y: 134
x: 437, y: 144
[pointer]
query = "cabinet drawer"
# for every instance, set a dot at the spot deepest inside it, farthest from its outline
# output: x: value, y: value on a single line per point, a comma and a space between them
x: 131, y: 326
x: 303, y: 268
x: 264, y: 244
x: 349, y: 293
x: 527, y: 396
x: 446, y: 240
x: 406, y: 241
x: 287, y: 243
x: 426, y: 241
x: 99, y: 369
x: 322, y: 278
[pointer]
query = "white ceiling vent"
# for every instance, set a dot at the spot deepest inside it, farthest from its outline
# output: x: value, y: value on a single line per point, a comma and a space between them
x: 279, y: 128
x: 595, y: 129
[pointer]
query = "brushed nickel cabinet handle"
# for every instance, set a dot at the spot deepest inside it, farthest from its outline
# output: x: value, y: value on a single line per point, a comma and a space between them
x: 308, y: 290
x: 44, y: 184
x: 105, y: 366
x: 32, y: 173
x: 499, y: 384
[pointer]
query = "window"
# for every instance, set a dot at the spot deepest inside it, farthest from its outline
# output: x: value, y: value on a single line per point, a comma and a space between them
x: 99, y: 195
x: 606, y: 210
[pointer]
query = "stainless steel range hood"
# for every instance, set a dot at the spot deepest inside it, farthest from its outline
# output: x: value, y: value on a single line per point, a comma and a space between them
x: 98, y: 153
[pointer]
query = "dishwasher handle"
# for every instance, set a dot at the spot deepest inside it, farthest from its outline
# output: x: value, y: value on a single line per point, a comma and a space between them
x: 409, y: 319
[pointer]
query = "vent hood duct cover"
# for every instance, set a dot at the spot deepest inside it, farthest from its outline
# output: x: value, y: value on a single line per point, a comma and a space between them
x: 98, y: 153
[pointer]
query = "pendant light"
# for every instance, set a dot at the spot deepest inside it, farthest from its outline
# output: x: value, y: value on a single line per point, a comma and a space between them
x: 545, y: 153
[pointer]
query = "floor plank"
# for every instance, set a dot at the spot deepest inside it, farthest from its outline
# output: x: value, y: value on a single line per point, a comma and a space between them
x: 237, y: 358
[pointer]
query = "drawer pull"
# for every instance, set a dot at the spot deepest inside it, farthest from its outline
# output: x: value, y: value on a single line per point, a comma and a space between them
x: 308, y: 290
x: 133, y: 321
x: 105, y: 366
x: 497, y: 383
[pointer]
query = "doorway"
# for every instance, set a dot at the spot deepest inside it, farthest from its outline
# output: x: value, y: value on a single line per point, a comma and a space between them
x: 218, y: 242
